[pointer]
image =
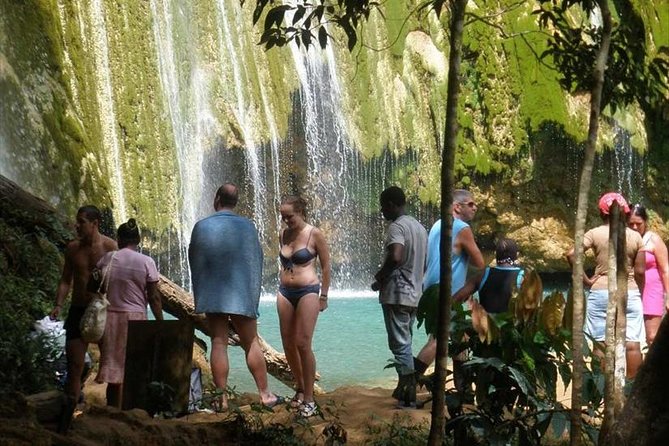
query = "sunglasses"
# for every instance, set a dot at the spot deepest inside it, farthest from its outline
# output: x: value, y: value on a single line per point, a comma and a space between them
x: 471, y: 204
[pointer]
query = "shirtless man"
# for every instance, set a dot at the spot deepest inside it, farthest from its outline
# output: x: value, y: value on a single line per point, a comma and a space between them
x: 81, y: 256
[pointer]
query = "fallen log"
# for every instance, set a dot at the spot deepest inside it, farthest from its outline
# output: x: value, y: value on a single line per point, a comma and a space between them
x: 179, y: 303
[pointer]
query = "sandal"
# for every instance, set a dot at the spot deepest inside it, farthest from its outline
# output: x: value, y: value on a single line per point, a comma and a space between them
x: 296, y: 402
x: 277, y: 400
x: 219, y: 402
x: 308, y: 410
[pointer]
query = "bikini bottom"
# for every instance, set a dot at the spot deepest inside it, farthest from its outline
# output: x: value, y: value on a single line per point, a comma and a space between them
x: 295, y: 294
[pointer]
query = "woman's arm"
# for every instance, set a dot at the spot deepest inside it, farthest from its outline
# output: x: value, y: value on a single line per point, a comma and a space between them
x: 662, y: 259
x: 154, y: 300
x: 640, y: 269
x: 324, y: 256
x: 587, y: 281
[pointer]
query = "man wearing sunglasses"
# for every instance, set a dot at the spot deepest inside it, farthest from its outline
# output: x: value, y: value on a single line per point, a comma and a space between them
x: 465, y: 253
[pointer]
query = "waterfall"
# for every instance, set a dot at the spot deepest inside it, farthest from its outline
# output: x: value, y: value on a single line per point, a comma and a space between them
x: 330, y: 156
x: 189, y: 115
x: 627, y: 165
x: 243, y: 113
x: 105, y: 100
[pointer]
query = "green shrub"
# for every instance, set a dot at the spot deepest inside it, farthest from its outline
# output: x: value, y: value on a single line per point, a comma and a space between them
x: 29, y: 270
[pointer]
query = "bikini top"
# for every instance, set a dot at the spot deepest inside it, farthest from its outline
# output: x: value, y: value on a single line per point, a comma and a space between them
x: 299, y: 257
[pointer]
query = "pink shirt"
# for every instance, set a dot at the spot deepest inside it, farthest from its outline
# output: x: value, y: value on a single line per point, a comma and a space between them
x: 129, y: 274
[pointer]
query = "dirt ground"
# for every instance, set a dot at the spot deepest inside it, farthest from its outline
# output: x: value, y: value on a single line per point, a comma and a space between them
x: 358, y: 410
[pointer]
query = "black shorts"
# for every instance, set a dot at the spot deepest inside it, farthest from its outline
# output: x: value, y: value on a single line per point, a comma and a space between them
x: 73, y: 322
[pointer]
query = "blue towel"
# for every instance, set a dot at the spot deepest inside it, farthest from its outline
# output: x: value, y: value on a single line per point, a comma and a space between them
x: 226, y: 265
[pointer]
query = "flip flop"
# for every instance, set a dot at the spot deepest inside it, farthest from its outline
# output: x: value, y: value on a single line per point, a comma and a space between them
x: 277, y: 400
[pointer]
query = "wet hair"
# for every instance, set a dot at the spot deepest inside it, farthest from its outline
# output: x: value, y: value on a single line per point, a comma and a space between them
x: 393, y: 195
x: 90, y: 212
x: 227, y: 195
x: 640, y: 211
x: 461, y: 195
x: 506, y: 250
x: 128, y: 234
x: 299, y: 204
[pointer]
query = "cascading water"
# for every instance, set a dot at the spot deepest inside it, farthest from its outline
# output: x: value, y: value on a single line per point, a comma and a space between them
x: 331, y: 157
x: 105, y: 100
x: 627, y: 164
x: 243, y: 113
x: 185, y: 96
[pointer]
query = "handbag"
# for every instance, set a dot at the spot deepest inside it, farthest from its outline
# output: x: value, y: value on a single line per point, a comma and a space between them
x: 92, y: 325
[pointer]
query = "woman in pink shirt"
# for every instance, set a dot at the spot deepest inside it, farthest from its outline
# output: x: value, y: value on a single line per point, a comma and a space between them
x: 654, y: 297
x: 132, y: 282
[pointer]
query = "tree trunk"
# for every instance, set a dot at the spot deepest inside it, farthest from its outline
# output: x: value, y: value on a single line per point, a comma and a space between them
x: 610, y: 338
x: 616, y: 319
x: 644, y: 419
x: 437, y: 424
x: 33, y: 211
x: 621, y: 315
x: 582, y: 208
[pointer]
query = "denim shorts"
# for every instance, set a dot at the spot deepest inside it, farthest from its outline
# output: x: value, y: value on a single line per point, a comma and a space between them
x: 595, y: 316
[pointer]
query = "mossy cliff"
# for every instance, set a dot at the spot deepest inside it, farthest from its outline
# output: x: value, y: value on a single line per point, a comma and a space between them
x: 144, y: 107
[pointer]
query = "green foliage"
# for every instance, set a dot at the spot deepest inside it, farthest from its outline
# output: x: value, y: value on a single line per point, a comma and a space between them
x: 573, y: 46
x: 516, y: 379
x: 307, y: 19
x: 516, y: 360
x: 29, y: 267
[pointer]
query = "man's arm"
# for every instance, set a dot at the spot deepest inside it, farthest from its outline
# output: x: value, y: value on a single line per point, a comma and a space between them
x: 154, y: 300
x: 64, y: 284
x: 468, y: 244
x: 393, y: 259
x: 468, y: 288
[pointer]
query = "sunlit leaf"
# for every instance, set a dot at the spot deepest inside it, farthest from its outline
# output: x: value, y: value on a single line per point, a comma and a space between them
x: 529, y: 296
x: 552, y: 310
x: 480, y: 320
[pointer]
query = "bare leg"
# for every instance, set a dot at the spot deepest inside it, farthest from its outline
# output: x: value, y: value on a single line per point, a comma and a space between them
x: 634, y: 358
x: 287, y: 326
x: 114, y: 395
x: 220, y: 366
x: 652, y: 324
x: 308, y: 309
x: 247, y: 330
x: 75, y: 351
x: 429, y: 351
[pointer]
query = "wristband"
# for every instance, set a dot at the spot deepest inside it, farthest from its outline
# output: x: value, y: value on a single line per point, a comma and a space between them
x: 323, y: 297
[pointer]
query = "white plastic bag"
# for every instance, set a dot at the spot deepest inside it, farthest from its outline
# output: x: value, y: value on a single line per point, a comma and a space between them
x: 52, y: 334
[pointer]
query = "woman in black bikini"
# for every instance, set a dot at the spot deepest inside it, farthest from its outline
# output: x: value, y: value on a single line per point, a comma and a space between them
x: 301, y: 296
